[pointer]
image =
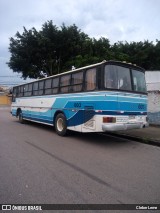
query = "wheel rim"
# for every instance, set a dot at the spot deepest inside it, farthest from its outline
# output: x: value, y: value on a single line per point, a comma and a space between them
x: 60, y: 124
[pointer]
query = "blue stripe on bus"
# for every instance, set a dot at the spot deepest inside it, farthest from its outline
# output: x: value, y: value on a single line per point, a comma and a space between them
x: 39, y: 119
x: 105, y: 105
x: 109, y: 102
x: 77, y: 119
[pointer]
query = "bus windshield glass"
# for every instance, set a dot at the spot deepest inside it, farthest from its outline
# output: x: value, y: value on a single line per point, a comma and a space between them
x: 139, y: 84
x: 117, y: 77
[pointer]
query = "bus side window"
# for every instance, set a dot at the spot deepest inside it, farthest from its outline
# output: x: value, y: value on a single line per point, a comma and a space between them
x: 77, y: 80
x: 48, y: 86
x: 65, y: 83
x: 55, y: 85
x: 41, y: 87
x: 90, y: 79
x: 35, y: 88
x: 29, y: 93
x: 26, y: 90
x: 21, y: 90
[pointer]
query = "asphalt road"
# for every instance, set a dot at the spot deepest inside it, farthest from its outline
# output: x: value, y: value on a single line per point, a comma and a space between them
x: 38, y: 166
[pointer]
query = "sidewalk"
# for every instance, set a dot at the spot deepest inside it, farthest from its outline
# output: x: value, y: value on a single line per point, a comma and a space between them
x: 149, y: 135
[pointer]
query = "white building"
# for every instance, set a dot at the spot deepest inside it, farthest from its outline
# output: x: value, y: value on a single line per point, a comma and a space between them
x: 153, y: 88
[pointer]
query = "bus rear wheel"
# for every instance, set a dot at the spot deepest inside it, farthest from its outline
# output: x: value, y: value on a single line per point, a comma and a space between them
x: 61, y: 124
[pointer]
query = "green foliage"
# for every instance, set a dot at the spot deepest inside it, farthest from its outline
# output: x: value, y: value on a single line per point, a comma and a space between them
x: 144, y: 54
x: 52, y: 50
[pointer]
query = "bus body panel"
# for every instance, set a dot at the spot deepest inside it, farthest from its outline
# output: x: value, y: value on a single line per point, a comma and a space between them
x: 85, y: 111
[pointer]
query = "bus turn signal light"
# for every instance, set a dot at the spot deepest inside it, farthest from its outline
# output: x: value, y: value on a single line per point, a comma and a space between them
x: 109, y: 120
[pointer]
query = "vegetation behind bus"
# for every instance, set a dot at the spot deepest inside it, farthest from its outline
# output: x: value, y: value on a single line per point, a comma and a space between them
x: 53, y: 50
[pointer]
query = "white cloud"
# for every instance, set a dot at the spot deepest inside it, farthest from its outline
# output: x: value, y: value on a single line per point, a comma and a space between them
x: 96, y: 17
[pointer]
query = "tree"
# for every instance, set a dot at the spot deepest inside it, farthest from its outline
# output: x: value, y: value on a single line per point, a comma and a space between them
x: 144, y: 54
x: 47, y: 52
x: 52, y: 50
x: 25, y: 54
x: 71, y: 41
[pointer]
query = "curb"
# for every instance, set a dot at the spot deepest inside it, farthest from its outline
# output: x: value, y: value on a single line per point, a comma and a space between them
x: 155, y: 125
x: 137, y: 139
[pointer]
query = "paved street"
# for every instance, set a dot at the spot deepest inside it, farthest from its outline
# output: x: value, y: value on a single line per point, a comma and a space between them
x: 38, y: 166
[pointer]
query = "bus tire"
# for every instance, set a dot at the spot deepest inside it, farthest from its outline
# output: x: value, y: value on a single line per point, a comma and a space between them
x: 61, y: 124
x: 20, y: 117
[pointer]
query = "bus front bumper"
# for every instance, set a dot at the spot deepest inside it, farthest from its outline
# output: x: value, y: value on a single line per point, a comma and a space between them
x: 125, y: 126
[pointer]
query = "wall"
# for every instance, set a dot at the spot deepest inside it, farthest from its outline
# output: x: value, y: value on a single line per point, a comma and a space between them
x: 5, y: 100
x: 154, y: 107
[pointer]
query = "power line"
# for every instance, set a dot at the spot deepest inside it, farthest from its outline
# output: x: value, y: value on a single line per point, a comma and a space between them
x: 9, y: 76
x: 12, y: 81
x: 15, y: 80
x: 11, y: 84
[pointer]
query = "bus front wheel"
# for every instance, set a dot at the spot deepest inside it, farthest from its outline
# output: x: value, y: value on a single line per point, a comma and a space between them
x: 61, y: 124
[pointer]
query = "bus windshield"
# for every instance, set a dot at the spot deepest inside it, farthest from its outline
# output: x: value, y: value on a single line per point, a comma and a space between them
x: 117, y: 77
x: 139, y: 81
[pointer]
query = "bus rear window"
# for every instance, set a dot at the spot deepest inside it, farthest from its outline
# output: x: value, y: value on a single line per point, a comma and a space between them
x: 139, y: 84
x: 117, y: 77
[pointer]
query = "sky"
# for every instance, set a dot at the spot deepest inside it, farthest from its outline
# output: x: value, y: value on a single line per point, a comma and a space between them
x: 117, y: 20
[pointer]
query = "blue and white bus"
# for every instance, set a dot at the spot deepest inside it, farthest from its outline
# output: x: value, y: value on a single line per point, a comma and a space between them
x: 107, y: 96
